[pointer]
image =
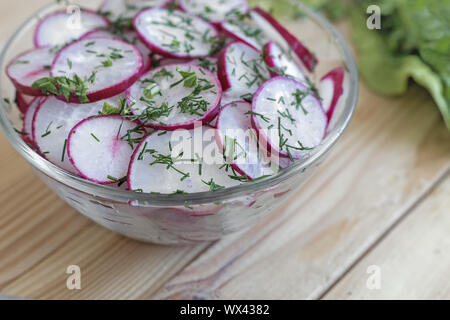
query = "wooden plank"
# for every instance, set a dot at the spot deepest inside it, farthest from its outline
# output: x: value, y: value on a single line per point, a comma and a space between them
x: 40, y: 236
x: 393, y: 153
x: 413, y: 260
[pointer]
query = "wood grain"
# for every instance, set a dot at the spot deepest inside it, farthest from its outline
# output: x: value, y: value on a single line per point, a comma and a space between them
x: 395, y: 151
x: 413, y: 259
x: 393, y: 154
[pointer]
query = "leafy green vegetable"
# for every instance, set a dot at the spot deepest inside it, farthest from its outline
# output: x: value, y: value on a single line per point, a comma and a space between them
x: 414, y: 42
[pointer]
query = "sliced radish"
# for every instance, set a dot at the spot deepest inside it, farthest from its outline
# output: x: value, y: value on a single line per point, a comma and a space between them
x: 209, y: 63
x: 60, y: 27
x: 128, y: 36
x: 239, y: 143
x: 174, y: 33
x: 214, y: 10
x: 245, y: 31
x: 98, y: 148
x: 168, y: 61
x: 277, y: 32
x: 281, y: 62
x: 27, y: 129
x: 29, y: 67
x: 107, y: 66
x: 331, y: 90
x: 160, y: 165
x: 23, y: 101
x: 53, y: 122
x: 127, y: 9
x: 242, y: 70
x: 176, y: 96
x: 289, y: 117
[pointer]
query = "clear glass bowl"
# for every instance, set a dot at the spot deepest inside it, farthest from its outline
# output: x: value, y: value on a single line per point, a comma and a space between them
x: 166, y: 219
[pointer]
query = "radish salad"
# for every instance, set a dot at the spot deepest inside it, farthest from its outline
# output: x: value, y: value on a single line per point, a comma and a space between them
x: 172, y: 97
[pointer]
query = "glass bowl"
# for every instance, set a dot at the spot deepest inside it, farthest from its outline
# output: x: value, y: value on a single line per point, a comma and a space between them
x: 189, y: 218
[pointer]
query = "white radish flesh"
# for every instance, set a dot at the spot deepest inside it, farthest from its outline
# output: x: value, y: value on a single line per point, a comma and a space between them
x: 128, y: 36
x: 98, y: 148
x: 127, y: 9
x: 30, y: 66
x: 60, y: 27
x: 108, y: 66
x: 175, y: 34
x: 246, y: 32
x: 159, y: 165
x: 28, y: 120
x: 175, y: 102
x: 53, y: 122
x: 242, y: 70
x: 275, y: 31
x: 239, y: 142
x: 331, y: 89
x: 214, y: 10
x: 209, y: 63
x: 289, y: 117
x: 281, y: 62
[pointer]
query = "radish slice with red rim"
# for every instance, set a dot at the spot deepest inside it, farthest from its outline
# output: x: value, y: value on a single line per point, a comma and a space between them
x: 175, y: 34
x: 60, y: 27
x: 127, y: 9
x: 29, y: 67
x: 23, y: 101
x: 176, y: 96
x: 107, y: 67
x: 289, y: 117
x: 242, y: 70
x: 168, y: 163
x: 331, y: 89
x: 281, y: 62
x: 246, y: 31
x: 100, y: 147
x: 214, y: 10
x: 27, y: 129
x: 239, y: 143
x: 278, y: 33
x: 53, y: 121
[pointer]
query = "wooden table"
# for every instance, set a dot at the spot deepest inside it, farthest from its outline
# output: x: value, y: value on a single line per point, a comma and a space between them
x: 379, y: 206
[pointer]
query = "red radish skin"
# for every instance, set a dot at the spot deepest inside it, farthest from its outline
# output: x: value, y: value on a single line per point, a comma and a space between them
x: 96, y: 149
x: 234, y: 123
x: 161, y: 179
x: 280, y: 63
x: 53, y: 121
x: 214, y: 10
x: 331, y: 90
x: 151, y: 26
x: 127, y: 9
x: 295, y: 120
x: 237, y: 65
x: 98, y: 34
x: 23, y: 101
x: 105, y: 85
x: 58, y: 24
x: 171, y: 95
x: 29, y: 67
x: 305, y: 55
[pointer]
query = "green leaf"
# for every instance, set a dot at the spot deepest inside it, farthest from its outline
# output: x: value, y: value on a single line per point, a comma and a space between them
x: 108, y: 109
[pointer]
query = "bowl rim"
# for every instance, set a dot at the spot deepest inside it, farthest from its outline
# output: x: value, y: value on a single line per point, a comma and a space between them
x: 119, y: 195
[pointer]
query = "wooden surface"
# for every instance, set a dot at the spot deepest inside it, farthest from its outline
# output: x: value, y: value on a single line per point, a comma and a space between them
x: 380, y: 200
